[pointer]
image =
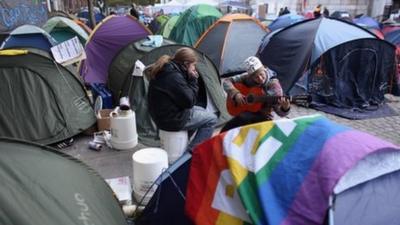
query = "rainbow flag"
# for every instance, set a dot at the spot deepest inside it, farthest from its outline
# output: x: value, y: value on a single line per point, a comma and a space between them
x: 277, y: 172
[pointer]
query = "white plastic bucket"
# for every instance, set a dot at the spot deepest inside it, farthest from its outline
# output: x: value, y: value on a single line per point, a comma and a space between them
x: 123, y: 129
x: 148, y: 164
x: 174, y: 142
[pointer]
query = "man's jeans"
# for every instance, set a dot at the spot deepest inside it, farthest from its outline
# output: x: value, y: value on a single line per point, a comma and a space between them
x: 203, y: 121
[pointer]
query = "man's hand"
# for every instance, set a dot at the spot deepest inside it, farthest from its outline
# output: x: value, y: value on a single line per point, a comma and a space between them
x: 284, y: 103
x: 240, y: 99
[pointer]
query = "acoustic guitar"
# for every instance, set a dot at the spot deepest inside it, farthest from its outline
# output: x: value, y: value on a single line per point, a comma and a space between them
x: 256, y: 98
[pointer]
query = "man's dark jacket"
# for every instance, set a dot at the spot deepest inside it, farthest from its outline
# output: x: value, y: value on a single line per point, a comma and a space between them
x: 172, y: 93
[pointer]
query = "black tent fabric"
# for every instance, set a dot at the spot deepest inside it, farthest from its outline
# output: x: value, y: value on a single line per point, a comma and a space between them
x: 288, y: 55
x: 351, y: 79
x: 43, y: 186
x: 167, y: 206
x: 290, y: 50
x: 346, y: 68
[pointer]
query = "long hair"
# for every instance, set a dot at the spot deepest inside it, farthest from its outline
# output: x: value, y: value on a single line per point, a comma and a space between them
x: 182, y: 56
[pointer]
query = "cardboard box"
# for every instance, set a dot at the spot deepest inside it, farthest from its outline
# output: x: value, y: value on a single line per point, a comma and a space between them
x: 103, y: 119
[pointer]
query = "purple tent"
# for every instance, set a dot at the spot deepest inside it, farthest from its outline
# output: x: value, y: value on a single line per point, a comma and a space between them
x: 107, y: 39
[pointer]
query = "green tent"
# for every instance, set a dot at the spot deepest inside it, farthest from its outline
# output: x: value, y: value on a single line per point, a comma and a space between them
x: 167, y: 27
x: 193, y: 22
x: 119, y: 75
x: 122, y: 65
x: 41, y: 101
x: 121, y: 83
x: 162, y: 19
x: 62, y: 29
x: 40, y: 185
x: 157, y: 23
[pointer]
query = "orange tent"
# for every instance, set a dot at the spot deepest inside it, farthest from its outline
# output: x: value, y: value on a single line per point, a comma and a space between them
x: 230, y: 40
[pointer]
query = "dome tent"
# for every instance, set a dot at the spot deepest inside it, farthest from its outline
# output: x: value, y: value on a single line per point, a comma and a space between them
x: 157, y: 23
x: 343, y: 66
x: 167, y: 27
x: 122, y: 65
x: 106, y: 40
x: 120, y: 74
x: 29, y: 36
x: 47, y: 101
x: 345, y: 177
x: 84, y: 13
x: 62, y: 29
x: 284, y: 21
x: 193, y: 22
x: 231, y: 34
x: 44, y: 186
x: 122, y: 83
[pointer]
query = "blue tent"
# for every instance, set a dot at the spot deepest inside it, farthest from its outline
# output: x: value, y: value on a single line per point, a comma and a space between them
x: 393, y: 37
x: 287, y: 51
x: 98, y: 16
x: 167, y: 206
x: 29, y: 36
x: 367, y: 22
x: 341, y: 65
x: 284, y: 21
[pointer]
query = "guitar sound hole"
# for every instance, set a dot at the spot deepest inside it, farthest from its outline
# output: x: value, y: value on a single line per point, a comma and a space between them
x: 250, y: 98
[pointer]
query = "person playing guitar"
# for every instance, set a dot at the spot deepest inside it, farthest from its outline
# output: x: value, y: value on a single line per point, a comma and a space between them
x: 261, y: 79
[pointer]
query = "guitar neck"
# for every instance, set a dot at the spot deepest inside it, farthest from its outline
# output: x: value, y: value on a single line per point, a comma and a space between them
x: 265, y: 99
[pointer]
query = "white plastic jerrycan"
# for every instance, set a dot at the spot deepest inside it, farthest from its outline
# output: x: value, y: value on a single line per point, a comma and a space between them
x: 123, y: 129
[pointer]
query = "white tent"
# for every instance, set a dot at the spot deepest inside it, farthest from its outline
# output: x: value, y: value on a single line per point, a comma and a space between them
x: 172, y: 7
x: 208, y: 2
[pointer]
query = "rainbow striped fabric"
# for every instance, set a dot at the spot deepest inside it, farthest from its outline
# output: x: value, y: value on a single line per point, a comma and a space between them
x: 277, y: 173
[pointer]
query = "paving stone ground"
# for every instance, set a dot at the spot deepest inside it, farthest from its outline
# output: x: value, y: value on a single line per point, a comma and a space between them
x: 387, y: 128
x: 110, y: 163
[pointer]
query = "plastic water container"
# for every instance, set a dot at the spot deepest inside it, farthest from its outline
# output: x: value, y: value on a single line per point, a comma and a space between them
x: 123, y: 129
x: 148, y: 164
x: 174, y: 142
